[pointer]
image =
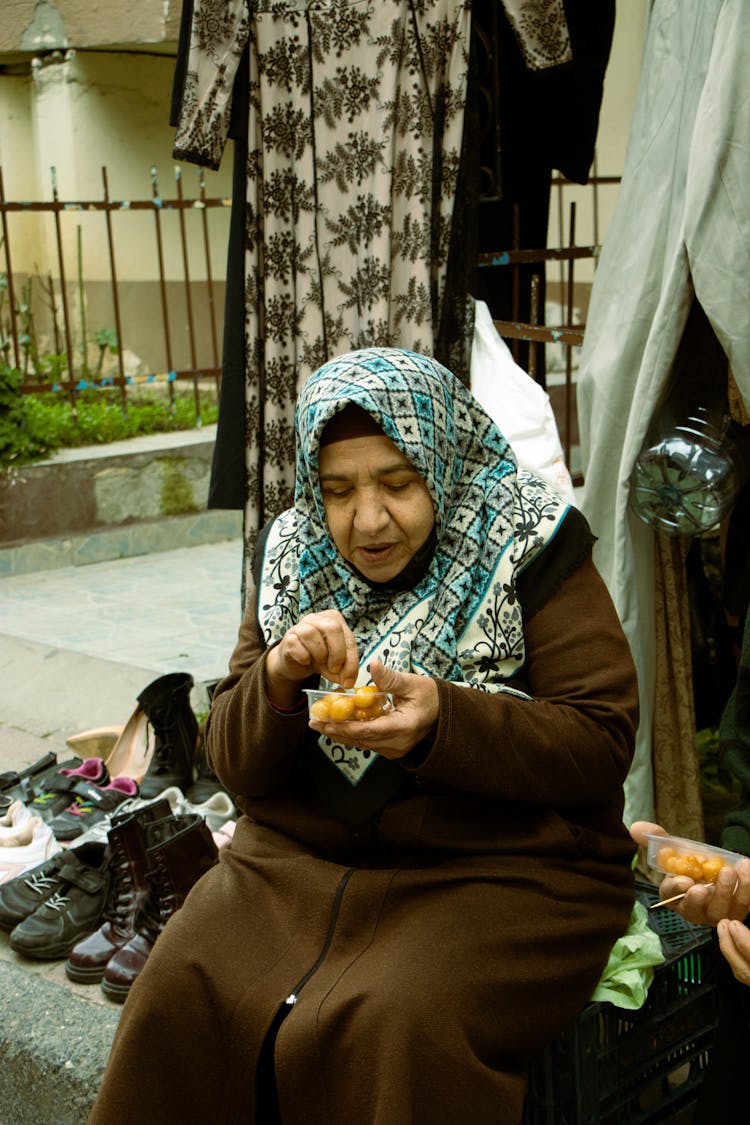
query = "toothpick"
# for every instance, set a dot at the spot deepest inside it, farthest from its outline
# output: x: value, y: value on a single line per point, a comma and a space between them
x: 666, y: 901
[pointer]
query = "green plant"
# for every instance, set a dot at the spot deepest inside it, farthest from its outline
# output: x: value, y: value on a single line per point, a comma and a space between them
x: 19, y: 440
x: 105, y: 340
x: 32, y: 426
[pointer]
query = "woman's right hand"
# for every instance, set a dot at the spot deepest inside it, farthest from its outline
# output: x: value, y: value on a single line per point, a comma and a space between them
x: 319, y: 644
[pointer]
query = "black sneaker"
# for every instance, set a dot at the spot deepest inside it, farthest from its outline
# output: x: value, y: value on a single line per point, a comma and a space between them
x: 21, y: 896
x: 71, y: 913
x: 92, y: 804
x: 56, y: 790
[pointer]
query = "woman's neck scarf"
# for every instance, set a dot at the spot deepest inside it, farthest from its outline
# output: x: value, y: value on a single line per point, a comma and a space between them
x: 461, y: 621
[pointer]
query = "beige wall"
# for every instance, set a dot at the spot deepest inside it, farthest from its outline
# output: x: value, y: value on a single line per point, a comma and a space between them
x: 42, y: 25
x: 83, y: 112
x: 77, y: 112
x: 620, y: 91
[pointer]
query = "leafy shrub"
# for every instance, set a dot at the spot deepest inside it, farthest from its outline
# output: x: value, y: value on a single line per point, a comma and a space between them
x: 32, y: 426
x: 20, y: 441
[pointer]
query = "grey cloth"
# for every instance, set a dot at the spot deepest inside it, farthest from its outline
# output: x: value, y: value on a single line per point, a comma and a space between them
x: 681, y: 230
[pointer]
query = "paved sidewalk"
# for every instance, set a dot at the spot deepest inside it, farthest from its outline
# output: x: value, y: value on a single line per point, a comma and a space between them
x: 77, y: 645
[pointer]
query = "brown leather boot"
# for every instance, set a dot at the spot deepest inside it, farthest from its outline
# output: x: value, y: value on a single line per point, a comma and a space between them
x: 129, y: 888
x: 180, y: 849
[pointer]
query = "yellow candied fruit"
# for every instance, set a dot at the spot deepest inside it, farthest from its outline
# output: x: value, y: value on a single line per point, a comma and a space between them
x: 340, y: 708
x: 362, y: 705
x: 711, y: 869
x: 319, y: 710
x: 697, y: 866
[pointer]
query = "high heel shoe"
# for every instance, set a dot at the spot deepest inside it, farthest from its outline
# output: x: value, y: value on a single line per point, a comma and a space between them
x: 132, y: 752
x: 95, y: 743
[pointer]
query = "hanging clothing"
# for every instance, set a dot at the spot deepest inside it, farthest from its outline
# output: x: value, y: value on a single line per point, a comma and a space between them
x: 680, y: 230
x: 354, y: 135
x: 541, y: 118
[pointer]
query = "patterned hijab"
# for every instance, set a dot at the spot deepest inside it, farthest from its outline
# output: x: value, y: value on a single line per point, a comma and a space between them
x: 461, y: 620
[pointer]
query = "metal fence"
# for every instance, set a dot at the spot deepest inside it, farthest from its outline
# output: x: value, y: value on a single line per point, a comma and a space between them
x: 563, y: 253
x: 64, y: 367
x: 71, y: 373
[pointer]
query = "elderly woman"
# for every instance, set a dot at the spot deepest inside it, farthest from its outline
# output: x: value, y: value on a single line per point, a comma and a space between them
x: 414, y: 904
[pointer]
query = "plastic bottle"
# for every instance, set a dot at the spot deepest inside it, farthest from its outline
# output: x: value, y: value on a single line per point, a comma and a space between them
x: 689, y: 471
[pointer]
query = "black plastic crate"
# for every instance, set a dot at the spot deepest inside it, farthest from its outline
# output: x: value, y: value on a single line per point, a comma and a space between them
x: 621, y: 1067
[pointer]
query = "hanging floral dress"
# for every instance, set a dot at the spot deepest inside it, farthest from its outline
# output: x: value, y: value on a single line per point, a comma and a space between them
x: 355, y: 126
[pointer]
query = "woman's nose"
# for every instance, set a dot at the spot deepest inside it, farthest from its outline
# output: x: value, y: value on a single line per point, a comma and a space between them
x: 370, y: 514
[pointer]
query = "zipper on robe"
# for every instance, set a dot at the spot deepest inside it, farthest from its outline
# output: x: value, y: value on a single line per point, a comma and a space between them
x: 291, y: 999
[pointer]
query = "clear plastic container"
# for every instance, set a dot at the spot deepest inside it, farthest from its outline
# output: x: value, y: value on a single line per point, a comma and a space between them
x: 358, y: 705
x: 685, y: 479
x: 675, y: 855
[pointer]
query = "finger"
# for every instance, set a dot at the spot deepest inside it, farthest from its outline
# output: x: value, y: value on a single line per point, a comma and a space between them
x: 297, y: 648
x: 721, y: 902
x: 693, y: 905
x: 640, y: 829
x: 382, y: 736
x: 385, y: 678
x: 338, y: 659
x: 734, y: 942
x: 349, y: 669
x: 742, y: 892
x: 675, y: 885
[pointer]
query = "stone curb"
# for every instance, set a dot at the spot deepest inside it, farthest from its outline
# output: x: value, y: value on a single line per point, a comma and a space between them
x: 54, y: 1047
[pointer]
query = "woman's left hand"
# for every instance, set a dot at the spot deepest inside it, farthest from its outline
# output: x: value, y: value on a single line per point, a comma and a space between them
x: 393, y: 735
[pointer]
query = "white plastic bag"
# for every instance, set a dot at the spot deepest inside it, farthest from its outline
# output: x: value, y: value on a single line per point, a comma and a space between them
x: 519, y: 407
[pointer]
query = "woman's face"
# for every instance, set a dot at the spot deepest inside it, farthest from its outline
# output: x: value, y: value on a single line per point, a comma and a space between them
x: 378, y: 509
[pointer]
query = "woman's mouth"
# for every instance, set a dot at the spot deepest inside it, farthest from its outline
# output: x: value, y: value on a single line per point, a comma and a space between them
x: 375, y: 552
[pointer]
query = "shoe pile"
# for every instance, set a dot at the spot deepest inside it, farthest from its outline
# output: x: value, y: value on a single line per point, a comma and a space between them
x: 155, y: 861
x: 96, y: 853
x: 102, y: 906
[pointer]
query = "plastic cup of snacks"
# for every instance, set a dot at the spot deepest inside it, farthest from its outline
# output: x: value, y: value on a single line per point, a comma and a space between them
x: 357, y: 705
x: 674, y: 855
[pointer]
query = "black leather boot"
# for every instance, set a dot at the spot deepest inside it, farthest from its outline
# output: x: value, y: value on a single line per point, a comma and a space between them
x: 166, y: 702
x: 180, y: 849
x: 129, y: 888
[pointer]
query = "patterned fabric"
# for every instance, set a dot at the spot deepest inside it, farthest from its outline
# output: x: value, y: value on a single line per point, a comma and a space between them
x: 462, y: 620
x: 542, y: 31
x: 355, y: 132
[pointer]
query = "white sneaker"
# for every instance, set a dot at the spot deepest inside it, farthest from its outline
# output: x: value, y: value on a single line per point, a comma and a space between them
x: 217, y: 810
x: 35, y: 843
x: 13, y: 819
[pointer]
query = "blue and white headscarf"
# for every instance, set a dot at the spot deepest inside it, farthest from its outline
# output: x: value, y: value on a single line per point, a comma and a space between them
x: 461, y: 621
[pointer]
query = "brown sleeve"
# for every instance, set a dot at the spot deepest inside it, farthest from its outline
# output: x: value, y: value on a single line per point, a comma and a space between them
x: 251, y: 745
x: 572, y: 743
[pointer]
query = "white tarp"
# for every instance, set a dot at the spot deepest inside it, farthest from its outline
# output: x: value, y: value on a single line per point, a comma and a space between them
x: 682, y: 225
